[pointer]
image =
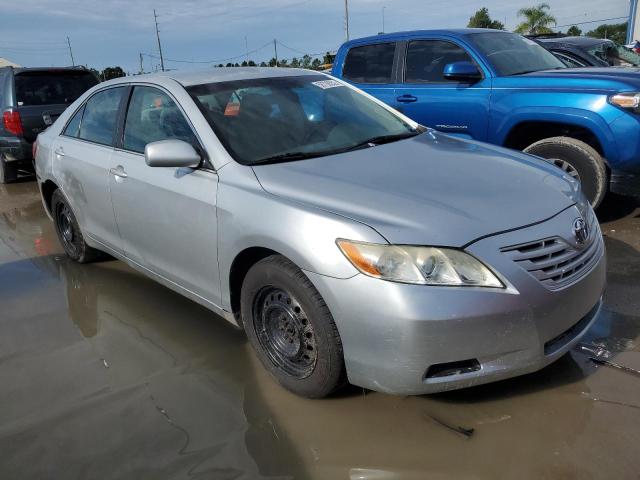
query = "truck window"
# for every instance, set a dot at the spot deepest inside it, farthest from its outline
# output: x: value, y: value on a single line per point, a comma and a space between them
x: 370, y: 64
x: 52, y: 87
x: 426, y: 60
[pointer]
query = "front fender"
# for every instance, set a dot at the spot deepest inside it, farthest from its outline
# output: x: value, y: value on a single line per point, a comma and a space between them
x: 250, y: 217
x: 594, y: 122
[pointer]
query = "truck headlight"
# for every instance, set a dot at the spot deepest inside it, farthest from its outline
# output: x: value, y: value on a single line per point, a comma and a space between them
x: 628, y: 100
x: 418, y: 265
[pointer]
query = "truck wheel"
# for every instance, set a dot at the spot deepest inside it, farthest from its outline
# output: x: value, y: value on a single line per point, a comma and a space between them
x: 69, y: 232
x: 291, y: 329
x: 577, y: 159
x: 8, y: 171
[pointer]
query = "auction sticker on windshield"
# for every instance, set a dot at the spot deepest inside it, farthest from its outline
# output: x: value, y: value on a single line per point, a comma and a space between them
x: 324, y: 84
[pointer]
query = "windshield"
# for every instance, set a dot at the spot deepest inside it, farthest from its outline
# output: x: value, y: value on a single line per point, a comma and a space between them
x: 512, y: 54
x: 51, y: 88
x: 289, y: 118
x: 614, y: 55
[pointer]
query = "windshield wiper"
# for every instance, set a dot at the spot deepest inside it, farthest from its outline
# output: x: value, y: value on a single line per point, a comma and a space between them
x: 374, y: 141
x: 285, y: 157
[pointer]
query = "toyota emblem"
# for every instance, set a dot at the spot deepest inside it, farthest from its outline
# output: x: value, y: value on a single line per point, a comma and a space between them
x: 580, y: 230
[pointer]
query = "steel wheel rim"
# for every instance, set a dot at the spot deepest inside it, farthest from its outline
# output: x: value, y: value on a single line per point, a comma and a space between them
x: 284, y: 332
x: 565, y: 167
x: 68, y: 235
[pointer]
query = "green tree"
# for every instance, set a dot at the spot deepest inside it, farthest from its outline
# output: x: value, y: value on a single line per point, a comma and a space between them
x: 283, y: 63
x: 112, y: 72
x: 306, y: 62
x: 481, y: 19
x: 316, y: 63
x: 328, y: 58
x: 272, y: 62
x: 538, y: 20
x: 252, y: 63
x: 295, y: 63
x: 574, y: 31
x: 616, y: 32
x: 263, y: 64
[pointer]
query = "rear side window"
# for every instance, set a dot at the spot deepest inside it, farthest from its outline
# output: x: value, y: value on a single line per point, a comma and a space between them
x: 370, y: 64
x: 426, y: 60
x: 153, y: 116
x: 51, y: 88
x: 73, y: 127
x: 100, y: 116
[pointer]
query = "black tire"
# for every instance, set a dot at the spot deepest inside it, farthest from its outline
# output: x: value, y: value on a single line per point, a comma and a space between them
x: 291, y: 328
x: 69, y: 232
x: 8, y: 171
x: 577, y: 159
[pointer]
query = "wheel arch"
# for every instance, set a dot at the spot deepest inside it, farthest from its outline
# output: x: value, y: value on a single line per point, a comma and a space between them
x: 47, y: 188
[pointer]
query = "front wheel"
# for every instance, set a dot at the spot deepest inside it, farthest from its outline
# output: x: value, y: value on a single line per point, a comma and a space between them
x: 291, y: 329
x: 578, y: 160
x: 69, y: 232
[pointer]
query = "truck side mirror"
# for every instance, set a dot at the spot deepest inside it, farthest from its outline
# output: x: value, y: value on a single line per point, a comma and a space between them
x: 463, y: 71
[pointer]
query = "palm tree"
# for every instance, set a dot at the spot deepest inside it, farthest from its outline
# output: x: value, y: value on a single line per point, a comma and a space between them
x: 537, y: 20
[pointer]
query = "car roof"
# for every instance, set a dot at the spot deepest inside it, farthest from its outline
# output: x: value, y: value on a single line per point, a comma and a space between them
x: 419, y: 33
x: 576, y: 41
x: 218, y: 74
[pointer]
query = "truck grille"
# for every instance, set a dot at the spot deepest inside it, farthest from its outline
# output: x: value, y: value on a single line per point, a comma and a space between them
x: 556, y: 263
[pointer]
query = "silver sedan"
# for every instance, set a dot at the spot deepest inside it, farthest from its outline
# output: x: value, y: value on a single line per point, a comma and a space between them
x: 349, y: 242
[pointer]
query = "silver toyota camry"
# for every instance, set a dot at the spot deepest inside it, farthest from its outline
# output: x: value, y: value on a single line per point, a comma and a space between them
x: 349, y: 242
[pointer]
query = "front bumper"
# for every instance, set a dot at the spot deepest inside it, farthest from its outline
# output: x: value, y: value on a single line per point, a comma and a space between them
x: 392, y: 333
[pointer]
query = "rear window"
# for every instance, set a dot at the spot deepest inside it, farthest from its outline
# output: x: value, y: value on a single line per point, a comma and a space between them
x: 370, y: 64
x: 50, y: 88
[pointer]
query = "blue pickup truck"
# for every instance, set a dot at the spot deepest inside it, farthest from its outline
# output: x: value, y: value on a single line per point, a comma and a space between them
x: 502, y: 88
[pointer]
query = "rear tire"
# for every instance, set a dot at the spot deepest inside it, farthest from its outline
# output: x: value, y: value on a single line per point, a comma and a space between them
x: 69, y: 232
x: 578, y: 160
x: 291, y: 329
x: 8, y: 171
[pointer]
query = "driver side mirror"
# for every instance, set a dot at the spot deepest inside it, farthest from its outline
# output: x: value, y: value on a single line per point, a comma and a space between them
x: 464, y: 71
x: 171, y: 153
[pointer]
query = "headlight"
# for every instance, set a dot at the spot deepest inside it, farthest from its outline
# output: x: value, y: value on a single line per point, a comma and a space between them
x: 419, y: 265
x: 628, y: 100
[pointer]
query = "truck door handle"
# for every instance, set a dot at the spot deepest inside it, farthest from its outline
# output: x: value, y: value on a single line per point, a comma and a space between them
x: 118, y: 172
x: 407, y: 98
x: 59, y: 152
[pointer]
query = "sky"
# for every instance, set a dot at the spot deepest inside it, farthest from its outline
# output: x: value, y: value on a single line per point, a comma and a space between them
x: 114, y: 32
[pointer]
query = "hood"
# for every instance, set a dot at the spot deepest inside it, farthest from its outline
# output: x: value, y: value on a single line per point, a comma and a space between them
x: 431, y: 189
x: 600, y: 75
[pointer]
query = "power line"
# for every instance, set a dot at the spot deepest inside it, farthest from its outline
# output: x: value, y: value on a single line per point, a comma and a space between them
x: 218, y: 60
x: 592, y: 21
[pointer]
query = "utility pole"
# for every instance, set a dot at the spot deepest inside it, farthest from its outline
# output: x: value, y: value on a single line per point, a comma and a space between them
x: 155, y: 17
x: 73, y: 63
x: 346, y: 18
x: 383, y: 8
x: 246, y: 48
x: 141, y: 65
x: 275, y: 49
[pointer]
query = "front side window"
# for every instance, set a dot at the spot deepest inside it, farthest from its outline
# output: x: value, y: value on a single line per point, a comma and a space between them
x: 426, y: 60
x: 291, y: 118
x: 512, y: 54
x: 153, y: 116
x: 100, y: 116
x: 73, y: 127
x: 370, y: 64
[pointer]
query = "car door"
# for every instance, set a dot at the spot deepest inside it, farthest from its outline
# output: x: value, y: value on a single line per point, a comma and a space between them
x: 166, y: 216
x: 432, y: 100
x: 372, y: 69
x: 82, y: 162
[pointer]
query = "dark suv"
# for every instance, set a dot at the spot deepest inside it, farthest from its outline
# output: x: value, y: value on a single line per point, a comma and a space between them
x: 30, y: 100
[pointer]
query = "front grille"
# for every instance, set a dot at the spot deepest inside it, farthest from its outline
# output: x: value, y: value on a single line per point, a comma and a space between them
x: 556, y: 263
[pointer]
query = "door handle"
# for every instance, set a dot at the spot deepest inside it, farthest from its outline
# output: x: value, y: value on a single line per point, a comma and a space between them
x: 118, y: 172
x: 407, y: 98
x: 59, y: 152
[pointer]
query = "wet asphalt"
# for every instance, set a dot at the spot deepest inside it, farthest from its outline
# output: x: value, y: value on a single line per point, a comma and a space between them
x: 105, y: 374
